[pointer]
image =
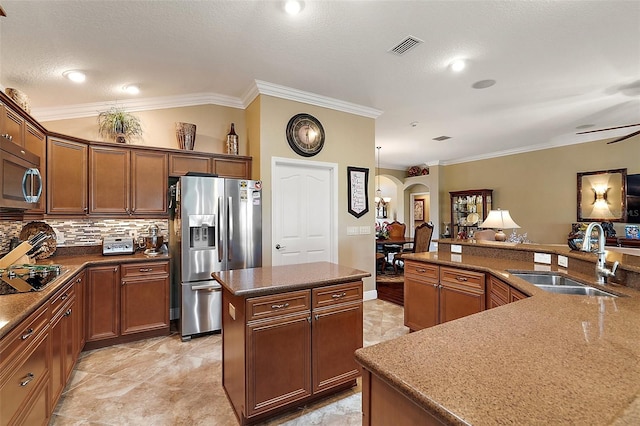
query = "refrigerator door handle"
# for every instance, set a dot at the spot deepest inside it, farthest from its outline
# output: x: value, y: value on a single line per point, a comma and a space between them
x: 212, y: 287
x: 219, y: 230
x: 229, y: 227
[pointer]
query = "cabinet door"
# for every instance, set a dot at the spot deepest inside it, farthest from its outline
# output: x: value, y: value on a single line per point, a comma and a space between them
x: 180, y: 165
x: 457, y: 303
x: 67, y: 174
x: 62, y: 342
x: 103, y: 303
x: 109, y: 181
x: 337, y: 334
x: 497, y: 292
x: 36, y: 143
x: 12, y: 124
x: 420, y: 303
x: 79, y: 312
x: 232, y: 168
x: 149, y: 180
x: 278, y: 352
x: 144, y: 304
x: 515, y: 295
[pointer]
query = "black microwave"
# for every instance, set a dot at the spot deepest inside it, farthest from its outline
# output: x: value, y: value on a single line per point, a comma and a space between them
x: 20, y: 179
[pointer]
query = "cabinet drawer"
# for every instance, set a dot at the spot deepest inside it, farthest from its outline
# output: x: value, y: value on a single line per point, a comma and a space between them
x: 130, y: 270
x: 22, y: 336
x: 278, y: 304
x: 334, y: 294
x: 424, y: 271
x: 57, y: 302
x: 24, y: 378
x: 463, y: 278
x: 498, y: 289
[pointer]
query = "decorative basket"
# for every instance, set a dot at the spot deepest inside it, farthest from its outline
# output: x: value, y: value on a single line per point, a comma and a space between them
x: 19, y: 98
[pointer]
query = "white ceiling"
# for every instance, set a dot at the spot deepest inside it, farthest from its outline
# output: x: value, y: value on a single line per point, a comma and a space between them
x: 558, y: 64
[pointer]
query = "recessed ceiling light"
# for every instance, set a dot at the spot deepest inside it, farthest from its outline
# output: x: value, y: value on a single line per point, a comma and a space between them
x: 131, y: 89
x: 457, y: 65
x: 414, y: 124
x: 75, y: 76
x: 585, y: 126
x: 442, y: 138
x: 483, y: 84
x: 293, y: 7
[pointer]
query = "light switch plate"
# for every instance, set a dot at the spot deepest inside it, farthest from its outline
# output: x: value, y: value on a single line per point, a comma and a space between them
x: 364, y: 230
x: 542, y: 258
x: 563, y: 261
x: 352, y: 230
x: 456, y: 258
x: 456, y: 248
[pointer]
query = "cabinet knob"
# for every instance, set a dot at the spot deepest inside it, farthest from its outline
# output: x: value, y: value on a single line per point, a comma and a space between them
x: 124, y: 282
x: 64, y: 296
x: 66, y: 314
x: 317, y: 317
x: 29, y: 377
x: 115, y: 269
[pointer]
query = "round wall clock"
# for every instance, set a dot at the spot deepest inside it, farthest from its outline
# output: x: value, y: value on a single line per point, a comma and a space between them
x: 305, y: 135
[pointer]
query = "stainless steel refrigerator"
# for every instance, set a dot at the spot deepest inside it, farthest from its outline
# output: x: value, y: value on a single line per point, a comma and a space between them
x: 216, y: 225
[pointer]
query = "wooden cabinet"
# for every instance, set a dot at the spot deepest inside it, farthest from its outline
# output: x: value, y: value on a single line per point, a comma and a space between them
x: 435, y: 294
x: 224, y: 166
x: 126, y: 302
x: 12, y: 125
x: 421, y: 295
x: 24, y: 371
x: 67, y: 173
x: 63, y: 339
x: 468, y: 209
x: 500, y: 293
x: 124, y: 181
x: 35, y: 142
x: 288, y: 348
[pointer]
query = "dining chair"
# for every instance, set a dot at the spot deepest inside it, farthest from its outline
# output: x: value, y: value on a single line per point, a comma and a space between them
x: 396, y: 230
x: 421, y: 243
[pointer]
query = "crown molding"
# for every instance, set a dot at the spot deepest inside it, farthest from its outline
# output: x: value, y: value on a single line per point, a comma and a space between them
x: 270, y: 89
x: 133, y: 105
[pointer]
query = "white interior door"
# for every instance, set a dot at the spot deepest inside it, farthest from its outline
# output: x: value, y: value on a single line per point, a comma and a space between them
x: 304, y: 225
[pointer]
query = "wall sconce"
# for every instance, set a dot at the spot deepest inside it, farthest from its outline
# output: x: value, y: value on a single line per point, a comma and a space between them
x: 499, y: 219
x: 600, y: 194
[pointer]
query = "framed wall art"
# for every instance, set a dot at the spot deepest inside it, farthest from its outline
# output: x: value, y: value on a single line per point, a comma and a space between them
x: 358, y: 183
x: 602, y: 196
x: 418, y: 209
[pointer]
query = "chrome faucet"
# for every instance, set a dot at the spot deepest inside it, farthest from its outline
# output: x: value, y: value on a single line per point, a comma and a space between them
x: 602, y: 272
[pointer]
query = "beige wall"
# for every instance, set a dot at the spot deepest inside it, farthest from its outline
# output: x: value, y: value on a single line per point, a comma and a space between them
x: 212, y: 122
x: 539, y: 188
x: 349, y: 141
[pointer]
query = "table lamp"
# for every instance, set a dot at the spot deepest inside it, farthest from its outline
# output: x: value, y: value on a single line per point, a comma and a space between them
x: 499, y: 220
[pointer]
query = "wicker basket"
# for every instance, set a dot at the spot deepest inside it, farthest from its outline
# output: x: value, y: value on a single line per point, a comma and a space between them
x: 19, y: 98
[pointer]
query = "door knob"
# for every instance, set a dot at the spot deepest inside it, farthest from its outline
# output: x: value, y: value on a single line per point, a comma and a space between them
x: 278, y: 247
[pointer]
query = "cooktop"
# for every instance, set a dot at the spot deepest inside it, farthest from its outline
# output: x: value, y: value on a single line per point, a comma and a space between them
x: 26, y: 278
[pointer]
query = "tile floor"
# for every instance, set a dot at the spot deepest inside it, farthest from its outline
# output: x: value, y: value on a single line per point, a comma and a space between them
x: 164, y: 381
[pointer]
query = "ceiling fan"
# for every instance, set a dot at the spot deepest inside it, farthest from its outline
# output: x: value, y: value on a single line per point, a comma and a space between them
x: 630, y: 135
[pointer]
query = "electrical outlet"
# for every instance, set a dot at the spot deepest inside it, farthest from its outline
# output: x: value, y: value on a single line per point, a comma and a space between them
x: 456, y: 248
x: 59, y: 237
x: 563, y: 261
x: 542, y: 258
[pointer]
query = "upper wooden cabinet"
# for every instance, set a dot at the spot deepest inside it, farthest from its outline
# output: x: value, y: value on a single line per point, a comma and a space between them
x: 223, y: 166
x: 126, y: 181
x: 35, y: 142
x: 67, y: 173
x: 12, y: 125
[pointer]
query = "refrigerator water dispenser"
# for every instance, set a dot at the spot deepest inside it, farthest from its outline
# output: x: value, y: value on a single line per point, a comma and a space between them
x: 202, y: 231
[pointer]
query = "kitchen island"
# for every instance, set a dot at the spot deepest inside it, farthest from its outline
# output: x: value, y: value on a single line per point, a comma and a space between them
x: 547, y: 359
x: 289, y: 335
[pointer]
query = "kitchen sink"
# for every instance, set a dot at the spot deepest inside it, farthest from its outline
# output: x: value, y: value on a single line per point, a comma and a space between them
x: 558, y: 283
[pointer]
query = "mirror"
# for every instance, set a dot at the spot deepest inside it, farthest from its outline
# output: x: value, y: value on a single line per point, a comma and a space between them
x: 602, y: 196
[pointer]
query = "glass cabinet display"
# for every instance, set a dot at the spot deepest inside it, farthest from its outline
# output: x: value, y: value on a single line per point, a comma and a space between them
x: 468, y: 210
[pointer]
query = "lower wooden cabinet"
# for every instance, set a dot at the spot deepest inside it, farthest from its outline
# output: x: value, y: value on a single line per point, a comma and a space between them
x: 25, y: 371
x: 125, y: 302
x: 435, y: 294
x: 63, y: 327
x: 287, y: 348
x: 500, y: 293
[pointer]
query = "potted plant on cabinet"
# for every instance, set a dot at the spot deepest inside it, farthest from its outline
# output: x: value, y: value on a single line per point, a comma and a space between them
x: 119, y: 125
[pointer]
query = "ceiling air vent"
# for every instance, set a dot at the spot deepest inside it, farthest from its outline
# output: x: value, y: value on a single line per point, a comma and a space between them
x: 405, y: 45
x: 442, y: 138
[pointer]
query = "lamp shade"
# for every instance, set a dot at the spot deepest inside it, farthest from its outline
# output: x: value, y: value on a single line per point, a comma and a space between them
x: 499, y: 219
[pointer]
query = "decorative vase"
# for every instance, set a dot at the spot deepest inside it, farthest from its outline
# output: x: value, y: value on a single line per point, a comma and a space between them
x: 121, y: 138
x: 232, y: 141
x: 186, y: 135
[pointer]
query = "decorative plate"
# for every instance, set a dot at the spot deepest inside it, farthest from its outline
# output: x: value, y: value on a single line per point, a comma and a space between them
x: 473, y: 218
x: 48, y: 247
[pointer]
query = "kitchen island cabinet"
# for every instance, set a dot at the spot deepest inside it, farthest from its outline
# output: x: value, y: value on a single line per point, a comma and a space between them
x: 290, y: 333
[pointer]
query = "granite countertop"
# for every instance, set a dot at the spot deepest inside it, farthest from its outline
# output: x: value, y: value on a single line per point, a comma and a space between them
x: 16, y: 307
x: 276, y: 279
x: 547, y: 359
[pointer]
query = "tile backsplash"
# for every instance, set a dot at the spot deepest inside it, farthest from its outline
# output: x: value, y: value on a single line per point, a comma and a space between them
x: 84, y: 232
